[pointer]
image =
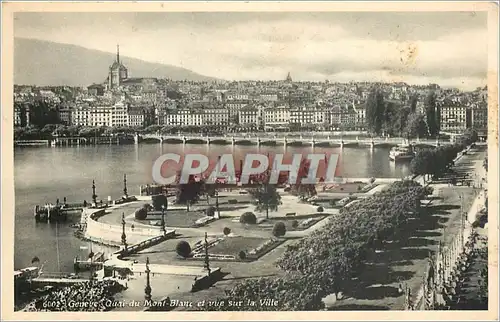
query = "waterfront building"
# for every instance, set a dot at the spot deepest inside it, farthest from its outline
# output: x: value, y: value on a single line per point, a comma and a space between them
x: 119, y: 114
x: 135, y: 117
x: 277, y: 117
x: 360, y: 115
x: 21, y: 115
x: 343, y: 117
x: 307, y: 116
x: 216, y: 116
x: 249, y: 115
x: 184, y: 117
x: 65, y: 115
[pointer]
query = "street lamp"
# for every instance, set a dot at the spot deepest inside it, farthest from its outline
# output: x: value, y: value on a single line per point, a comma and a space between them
x: 94, y: 196
x: 217, y: 202
x: 147, y: 289
x: 163, y: 219
x: 124, y: 236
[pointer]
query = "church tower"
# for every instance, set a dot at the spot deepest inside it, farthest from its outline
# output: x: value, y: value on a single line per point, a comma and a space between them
x: 288, y: 78
x: 117, y: 72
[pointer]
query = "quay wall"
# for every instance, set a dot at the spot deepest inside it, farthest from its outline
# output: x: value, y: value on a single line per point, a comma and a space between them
x: 112, y: 234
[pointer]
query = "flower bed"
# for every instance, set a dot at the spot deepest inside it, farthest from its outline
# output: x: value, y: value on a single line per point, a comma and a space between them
x: 229, y: 248
x: 204, y: 221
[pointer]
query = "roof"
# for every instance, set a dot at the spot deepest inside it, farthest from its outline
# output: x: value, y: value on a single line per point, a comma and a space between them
x: 117, y: 65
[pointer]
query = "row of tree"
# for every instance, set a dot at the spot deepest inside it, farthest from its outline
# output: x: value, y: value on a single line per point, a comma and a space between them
x: 39, y: 112
x: 392, y: 118
x: 325, y: 262
x: 436, y: 162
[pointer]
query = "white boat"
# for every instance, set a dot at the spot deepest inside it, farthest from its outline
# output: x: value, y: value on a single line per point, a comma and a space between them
x: 401, y: 152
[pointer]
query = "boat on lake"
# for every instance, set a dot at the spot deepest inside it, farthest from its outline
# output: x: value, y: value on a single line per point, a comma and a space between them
x: 402, y: 152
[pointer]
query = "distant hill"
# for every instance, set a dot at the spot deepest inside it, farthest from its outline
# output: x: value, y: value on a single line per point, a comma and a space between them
x: 44, y: 63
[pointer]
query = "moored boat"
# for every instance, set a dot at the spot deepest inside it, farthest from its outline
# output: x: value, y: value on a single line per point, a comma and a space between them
x: 401, y: 152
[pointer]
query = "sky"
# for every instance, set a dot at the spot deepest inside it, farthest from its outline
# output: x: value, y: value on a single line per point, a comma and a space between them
x: 447, y: 48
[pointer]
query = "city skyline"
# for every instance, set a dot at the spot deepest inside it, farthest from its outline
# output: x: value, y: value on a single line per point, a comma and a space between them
x: 266, y: 46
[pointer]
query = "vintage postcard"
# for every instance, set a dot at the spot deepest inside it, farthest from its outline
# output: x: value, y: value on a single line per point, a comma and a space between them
x: 295, y: 161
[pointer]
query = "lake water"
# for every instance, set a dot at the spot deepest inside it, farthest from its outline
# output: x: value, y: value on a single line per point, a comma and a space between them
x: 45, y: 174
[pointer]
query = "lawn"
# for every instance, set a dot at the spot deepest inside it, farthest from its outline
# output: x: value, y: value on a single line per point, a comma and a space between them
x: 174, y: 218
x: 233, y: 245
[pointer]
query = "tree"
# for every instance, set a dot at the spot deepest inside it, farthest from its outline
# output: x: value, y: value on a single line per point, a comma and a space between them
x: 183, y: 249
x: 298, y: 188
x: 159, y: 201
x: 226, y: 231
x: 374, y: 111
x: 279, y: 229
x: 210, y: 211
x: 422, y: 163
x: 267, y: 198
x: 400, y: 120
x: 416, y: 126
x: 430, y: 112
x: 248, y: 218
x: 142, y: 213
x: 413, y: 103
x: 190, y: 192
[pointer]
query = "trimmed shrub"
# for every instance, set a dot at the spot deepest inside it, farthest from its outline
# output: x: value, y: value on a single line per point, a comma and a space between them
x: 248, y: 218
x: 183, y: 249
x: 320, y: 209
x: 210, y: 211
x: 141, y: 213
x: 158, y: 201
x: 226, y: 231
x: 242, y: 254
x: 295, y: 224
x: 279, y: 229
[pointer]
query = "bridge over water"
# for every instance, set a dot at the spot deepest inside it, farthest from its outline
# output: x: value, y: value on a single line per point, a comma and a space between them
x: 289, y: 140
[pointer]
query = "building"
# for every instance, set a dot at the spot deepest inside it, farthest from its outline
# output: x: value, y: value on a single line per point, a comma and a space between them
x: 249, y: 116
x: 479, y: 119
x: 360, y: 111
x: 117, y: 72
x: 306, y: 116
x: 277, y: 117
x: 21, y: 115
x: 216, y: 116
x: 101, y: 114
x: 135, y: 117
x: 343, y: 118
x: 455, y: 118
x: 185, y: 117
x: 96, y: 90
x: 234, y: 106
x: 119, y: 115
x: 65, y: 114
